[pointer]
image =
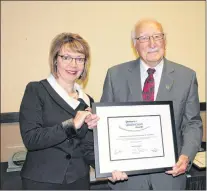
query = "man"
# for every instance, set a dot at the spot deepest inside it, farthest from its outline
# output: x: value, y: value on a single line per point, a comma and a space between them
x: 164, y: 81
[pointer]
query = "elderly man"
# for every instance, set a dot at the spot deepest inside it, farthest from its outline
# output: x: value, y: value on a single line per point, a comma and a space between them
x: 154, y: 78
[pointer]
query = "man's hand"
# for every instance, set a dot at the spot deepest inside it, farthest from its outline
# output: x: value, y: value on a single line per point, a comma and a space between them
x: 180, y: 167
x: 118, y: 176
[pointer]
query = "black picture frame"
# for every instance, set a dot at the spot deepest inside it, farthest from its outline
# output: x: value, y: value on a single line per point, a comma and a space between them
x: 103, y: 159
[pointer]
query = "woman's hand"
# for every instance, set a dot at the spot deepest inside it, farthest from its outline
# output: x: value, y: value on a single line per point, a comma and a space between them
x: 91, y: 119
x: 80, y: 118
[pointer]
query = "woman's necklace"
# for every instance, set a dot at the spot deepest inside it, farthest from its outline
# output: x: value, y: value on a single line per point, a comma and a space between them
x: 74, y: 94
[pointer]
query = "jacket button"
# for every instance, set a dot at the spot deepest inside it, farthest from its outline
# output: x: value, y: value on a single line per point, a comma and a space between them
x: 68, y: 156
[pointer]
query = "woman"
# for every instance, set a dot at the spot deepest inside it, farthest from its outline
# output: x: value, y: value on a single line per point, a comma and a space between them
x: 55, y: 121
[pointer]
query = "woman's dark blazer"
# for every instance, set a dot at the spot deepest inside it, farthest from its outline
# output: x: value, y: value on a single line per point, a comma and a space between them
x: 52, y: 153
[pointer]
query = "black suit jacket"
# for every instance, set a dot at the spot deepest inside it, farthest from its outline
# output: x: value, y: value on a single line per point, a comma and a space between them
x: 52, y: 153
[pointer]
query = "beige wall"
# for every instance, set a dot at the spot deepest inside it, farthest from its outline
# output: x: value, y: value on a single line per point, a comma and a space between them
x: 27, y: 29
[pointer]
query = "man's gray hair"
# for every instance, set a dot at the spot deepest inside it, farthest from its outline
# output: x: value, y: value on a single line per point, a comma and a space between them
x: 133, y: 35
x: 133, y: 32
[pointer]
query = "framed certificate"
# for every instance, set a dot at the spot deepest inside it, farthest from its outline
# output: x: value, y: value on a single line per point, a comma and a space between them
x: 134, y: 137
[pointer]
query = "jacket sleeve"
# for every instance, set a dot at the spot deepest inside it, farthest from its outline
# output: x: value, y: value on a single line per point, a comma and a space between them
x: 107, y: 95
x: 192, y: 124
x: 34, y: 134
x: 87, y: 146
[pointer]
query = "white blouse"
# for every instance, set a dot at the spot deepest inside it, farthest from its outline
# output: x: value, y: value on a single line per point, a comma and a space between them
x: 62, y: 93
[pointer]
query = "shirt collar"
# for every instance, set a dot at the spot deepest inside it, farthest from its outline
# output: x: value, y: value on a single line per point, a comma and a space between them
x: 62, y: 93
x: 144, y: 67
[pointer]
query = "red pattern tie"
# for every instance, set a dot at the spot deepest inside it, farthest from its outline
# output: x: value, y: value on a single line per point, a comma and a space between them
x: 149, y: 86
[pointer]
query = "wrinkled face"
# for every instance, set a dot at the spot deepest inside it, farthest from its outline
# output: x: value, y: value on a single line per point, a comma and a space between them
x: 70, y: 65
x: 150, y: 48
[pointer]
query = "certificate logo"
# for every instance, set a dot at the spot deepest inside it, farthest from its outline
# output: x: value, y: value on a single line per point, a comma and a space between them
x: 132, y: 125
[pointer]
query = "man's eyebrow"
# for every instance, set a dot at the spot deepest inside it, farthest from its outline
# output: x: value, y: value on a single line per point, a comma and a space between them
x: 144, y: 34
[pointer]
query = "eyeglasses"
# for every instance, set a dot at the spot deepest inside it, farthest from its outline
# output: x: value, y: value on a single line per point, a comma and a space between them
x: 156, y: 37
x: 69, y: 59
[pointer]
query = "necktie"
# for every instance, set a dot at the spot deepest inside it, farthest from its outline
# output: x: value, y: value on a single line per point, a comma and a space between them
x: 149, y: 86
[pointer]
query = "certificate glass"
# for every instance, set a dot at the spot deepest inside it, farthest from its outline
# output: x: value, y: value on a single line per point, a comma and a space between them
x: 136, y: 137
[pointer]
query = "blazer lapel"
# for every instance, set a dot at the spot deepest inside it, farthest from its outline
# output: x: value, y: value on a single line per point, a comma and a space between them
x: 134, y: 82
x: 166, y: 82
x: 61, y: 102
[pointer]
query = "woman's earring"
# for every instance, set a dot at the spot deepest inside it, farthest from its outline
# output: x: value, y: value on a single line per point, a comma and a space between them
x: 80, y: 76
x: 55, y: 66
